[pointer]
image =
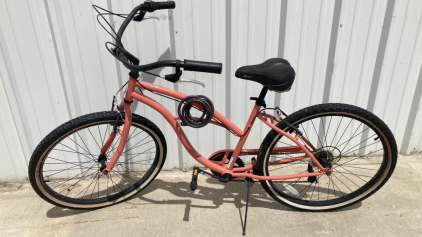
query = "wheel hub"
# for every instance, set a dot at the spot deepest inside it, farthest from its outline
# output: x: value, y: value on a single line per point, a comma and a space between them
x: 102, y: 160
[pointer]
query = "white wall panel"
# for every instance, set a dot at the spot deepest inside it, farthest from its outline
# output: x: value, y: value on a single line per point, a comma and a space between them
x: 54, y: 67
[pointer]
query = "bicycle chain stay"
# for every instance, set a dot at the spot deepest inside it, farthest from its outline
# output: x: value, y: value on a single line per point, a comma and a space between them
x: 274, y: 181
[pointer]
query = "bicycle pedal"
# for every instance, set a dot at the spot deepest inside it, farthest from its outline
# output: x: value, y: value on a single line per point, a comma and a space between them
x: 194, y: 182
x: 253, y: 162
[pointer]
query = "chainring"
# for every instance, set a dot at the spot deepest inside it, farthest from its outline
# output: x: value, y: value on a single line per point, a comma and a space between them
x: 239, y: 163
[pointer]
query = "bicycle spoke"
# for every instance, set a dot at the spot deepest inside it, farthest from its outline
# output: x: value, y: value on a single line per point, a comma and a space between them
x: 342, y: 182
x: 304, y: 130
x: 71, y: 152
x: 95, y: 184
x: 287, y: 166
x: 101, y: 138
x: 113, y: 147
x: 140, y: 153
x: 343, y: 133
x: 335, y: 186
x: 316, y: 132
x: 74, y: 184
x: 323, y: 129
x: 312, y: 192
x: 94, y: 139
x: 89, y: 153
x: 77, y: 132
x: 69, y: 179
x: 87, y: 188
x: 356, y: 136
x: 124, y: 176
x: 351, y: 138
x: 328, y: 194
x: 77, y: 152
x: 136, y: 146
x: 354, y: 175
x: 358, y: 157
x: 328, y: 129
x: 307, y: 188
x: 359, y: 168
x: 331, y: 144
x: 361, y: 148
x: 105, y: 134
x: 69, y: 162
x: 361, y: 141
x: 67, y: 169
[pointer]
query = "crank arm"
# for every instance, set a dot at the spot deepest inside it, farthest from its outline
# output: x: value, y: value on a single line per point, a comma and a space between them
x: 191, y: 81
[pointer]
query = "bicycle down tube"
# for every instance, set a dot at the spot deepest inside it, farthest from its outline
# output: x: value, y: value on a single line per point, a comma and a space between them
x: 131, y: 94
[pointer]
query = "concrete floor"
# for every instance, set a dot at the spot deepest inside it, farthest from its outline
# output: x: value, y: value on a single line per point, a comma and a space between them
x: 167, y: 208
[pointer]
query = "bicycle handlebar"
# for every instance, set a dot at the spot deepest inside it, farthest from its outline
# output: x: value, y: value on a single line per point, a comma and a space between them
x: 132, y: 63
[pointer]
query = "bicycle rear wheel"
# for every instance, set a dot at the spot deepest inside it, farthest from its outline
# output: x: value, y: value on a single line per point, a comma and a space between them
x: 64, y: 168
x: 355, y: 143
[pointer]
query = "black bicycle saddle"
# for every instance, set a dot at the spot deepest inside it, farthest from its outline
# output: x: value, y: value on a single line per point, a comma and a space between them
x: 276, y: 74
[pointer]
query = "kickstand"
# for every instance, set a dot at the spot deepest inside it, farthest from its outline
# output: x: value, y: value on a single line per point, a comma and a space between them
x: 249, y: 184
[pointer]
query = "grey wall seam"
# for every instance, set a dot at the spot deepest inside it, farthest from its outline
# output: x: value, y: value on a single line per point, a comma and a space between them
x: 176, y: 87
x: 119, y: 73
x: 388, y: 17
x: 16, y: 92
x: 281, y: 42
x: 56, y: 51
x: 17, y: 117
x: 67, y: 60
x: 106, y: 96
x: 42, y: 64
x: 332, y: 51
x: 412, y: 115
x: 378, y: 65
x: 228, y: 64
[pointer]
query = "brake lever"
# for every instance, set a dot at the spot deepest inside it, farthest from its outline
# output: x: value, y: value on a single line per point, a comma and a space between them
x: 150, y: 17
x: 191, y: 81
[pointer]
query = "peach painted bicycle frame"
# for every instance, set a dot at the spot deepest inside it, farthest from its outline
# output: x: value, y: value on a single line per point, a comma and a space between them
x: 218, y: 166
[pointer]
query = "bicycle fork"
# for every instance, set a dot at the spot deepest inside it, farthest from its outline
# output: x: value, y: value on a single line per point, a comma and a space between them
x: 107, y: 168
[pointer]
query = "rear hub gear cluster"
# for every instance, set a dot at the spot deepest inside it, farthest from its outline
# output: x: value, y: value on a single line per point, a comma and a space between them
x: 325, y: 158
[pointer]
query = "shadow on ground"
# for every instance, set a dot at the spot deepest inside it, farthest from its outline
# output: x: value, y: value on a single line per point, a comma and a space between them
x: 233, y: 192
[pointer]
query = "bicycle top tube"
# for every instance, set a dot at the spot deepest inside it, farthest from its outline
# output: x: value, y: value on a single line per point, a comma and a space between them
x: 132, y: 63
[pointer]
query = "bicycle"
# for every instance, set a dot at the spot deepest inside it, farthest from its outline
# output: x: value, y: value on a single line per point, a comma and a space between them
x: 104, y: 158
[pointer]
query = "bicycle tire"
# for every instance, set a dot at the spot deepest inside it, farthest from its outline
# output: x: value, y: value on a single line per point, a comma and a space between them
x: 75, y: 126
x: 292, y: 198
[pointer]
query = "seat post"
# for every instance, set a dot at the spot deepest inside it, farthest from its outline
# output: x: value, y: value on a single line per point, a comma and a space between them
x: 260, y: 101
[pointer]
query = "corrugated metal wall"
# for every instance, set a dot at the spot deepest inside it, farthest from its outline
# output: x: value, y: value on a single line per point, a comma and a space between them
x: 54, y: 67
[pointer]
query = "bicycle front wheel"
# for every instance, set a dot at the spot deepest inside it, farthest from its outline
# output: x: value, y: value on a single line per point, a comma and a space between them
x: 355, y: 143
x: 64, y: 168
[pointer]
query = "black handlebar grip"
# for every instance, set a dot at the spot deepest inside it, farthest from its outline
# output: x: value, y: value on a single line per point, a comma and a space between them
x: 166, y: 5
x: 198, y: 66
x: 160, y: 5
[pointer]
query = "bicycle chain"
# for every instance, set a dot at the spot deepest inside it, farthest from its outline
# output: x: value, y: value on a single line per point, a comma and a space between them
x: 275, y: 181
